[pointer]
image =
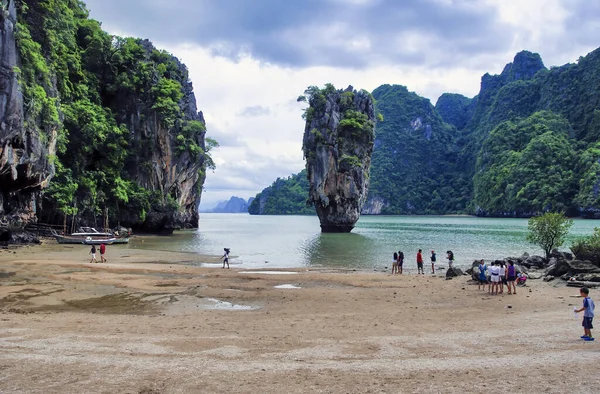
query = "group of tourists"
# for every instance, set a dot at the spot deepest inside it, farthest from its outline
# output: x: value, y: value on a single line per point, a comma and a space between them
x: 498, y: 275
x: 398, y: 261
x: 93, y: 253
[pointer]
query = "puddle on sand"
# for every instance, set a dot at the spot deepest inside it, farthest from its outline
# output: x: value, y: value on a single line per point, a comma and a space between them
x: 224, y: 305
x: 269, y: 272
x: 287, y: 286
x: 183, y: 304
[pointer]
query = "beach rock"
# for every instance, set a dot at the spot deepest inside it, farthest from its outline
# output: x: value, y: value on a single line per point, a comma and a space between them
x: 548, y: 278
x: 534, y: 261
x: 338, y: 143
x: 572, y: 268
x: 535, y: 275
x: 561, y: 255
x: 453, y: 272
x: 588, y: 277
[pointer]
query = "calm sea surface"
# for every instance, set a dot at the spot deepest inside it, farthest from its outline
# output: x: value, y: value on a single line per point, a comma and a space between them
x: 296, y: 241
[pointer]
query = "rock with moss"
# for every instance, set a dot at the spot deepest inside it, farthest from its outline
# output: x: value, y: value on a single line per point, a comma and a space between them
x: 338, y: 143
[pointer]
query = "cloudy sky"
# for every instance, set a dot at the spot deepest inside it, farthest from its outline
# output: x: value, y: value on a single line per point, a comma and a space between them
x: 250, y: 59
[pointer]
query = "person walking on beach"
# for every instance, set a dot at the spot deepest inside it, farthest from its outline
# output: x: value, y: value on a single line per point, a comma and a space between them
x: 102, y: 251
x: 400, y: 261
x: 588, y: 314
x: 225, y: 258
x: 432, y: 257
x: 482, y: 277
x: 420, y: 262
x: 395, y: 263
x: 511, y: 276
x: 93, y: 253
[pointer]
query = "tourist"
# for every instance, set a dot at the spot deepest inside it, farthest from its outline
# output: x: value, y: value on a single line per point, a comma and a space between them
x: 588, y: 314
x: 93, y: 253
x: 226, y: 258
x: 420, y: 262
x: 400, y: 261
x: 432, y: 257
x: 511, y: 276
x: 395, y: 263
x: 450, y: 257
x: 482, y: 277
x: 489, y: 278
x: 102, y: 251
x: 495, y: 271
x: 502, y: 277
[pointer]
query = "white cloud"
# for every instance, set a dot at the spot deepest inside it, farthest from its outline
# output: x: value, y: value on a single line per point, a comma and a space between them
x: 250, y: 105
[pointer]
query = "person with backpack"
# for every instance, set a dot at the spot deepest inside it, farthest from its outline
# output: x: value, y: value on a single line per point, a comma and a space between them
x: 102, y: 251
x: 93, y: 253
x: 400, y: 261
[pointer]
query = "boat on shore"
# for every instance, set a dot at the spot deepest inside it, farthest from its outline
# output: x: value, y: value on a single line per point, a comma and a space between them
x: 91, y: 236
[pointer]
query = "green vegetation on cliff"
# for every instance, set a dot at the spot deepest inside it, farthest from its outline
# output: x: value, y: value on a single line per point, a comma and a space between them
x: 528, y: 143
x: 117, y: 107
x: 286, y: 196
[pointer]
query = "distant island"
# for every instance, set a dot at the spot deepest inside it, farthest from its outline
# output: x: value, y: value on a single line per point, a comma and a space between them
x: 233, y: 205
x: 529, y: 142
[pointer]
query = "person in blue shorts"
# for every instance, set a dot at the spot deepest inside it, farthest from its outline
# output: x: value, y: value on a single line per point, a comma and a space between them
x: 588, y: 314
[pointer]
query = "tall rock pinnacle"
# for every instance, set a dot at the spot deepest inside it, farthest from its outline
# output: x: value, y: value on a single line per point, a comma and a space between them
x: 337, y: 145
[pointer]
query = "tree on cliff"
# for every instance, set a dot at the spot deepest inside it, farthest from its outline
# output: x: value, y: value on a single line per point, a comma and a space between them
x: 548, y: 231
x: 121, y: 114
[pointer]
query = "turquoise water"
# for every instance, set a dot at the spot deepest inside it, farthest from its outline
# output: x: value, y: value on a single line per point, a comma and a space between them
x: 296, y: 241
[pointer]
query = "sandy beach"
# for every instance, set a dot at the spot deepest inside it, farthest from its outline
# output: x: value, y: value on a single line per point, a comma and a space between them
x: 151, y: 322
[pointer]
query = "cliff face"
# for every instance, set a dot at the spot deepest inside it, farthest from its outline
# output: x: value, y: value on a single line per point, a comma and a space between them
x: 161, y: 162
x: 25, y: 167
x: 92, y: 126
x: 337, y: 144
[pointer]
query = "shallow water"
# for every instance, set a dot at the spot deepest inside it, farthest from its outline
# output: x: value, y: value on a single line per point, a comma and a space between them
x: 296, y: 241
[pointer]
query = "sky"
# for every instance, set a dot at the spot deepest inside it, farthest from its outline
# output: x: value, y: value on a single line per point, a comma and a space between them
x: 250, y: 59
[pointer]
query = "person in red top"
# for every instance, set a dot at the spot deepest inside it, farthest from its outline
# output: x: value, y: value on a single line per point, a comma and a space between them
x: 420, y: 263
x: 102, y: 251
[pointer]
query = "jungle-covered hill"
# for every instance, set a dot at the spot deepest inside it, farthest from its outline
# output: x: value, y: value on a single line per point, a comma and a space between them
x: 95, y: 126
x: 529, y: 142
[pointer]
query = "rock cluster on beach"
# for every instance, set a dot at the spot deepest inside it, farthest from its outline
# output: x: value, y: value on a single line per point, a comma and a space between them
x: 561, y: 265
x: 337, y: 145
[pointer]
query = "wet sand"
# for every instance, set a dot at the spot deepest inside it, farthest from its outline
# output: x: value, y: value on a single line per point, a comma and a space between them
x: 148, y: 322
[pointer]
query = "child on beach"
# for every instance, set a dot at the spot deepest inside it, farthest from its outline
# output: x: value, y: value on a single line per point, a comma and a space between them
x: 588, y: 314
x: 93, y: 253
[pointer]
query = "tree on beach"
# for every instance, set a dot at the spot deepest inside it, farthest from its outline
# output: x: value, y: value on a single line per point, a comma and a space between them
x: 549, y: 231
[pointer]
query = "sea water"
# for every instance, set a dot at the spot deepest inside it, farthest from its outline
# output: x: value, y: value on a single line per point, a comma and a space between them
x: 296, y: 241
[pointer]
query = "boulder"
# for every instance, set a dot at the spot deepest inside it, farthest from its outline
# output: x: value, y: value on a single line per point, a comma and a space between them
x: 572, y: 268
x: 535, y: 275
x: 534, y: 261
x: 588, y: 277
x: 453, y: 272
x: 561, y: 255
x: 548, y: 278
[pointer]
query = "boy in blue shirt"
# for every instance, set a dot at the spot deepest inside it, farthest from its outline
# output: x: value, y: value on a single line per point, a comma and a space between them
x: 588, y: 314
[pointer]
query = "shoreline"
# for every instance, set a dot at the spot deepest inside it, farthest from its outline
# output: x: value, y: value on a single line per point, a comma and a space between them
x: 150, y: 324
